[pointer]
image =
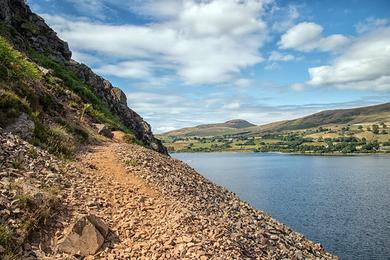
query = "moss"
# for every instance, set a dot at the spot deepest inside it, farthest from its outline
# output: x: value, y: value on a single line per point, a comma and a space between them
x: 14, y: 65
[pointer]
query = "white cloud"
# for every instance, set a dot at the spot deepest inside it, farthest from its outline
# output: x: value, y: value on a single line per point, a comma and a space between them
x: 298, y: 86
x: 285, y: 18
x: 370, y: 24
x: 364, y: 65
x: 308, y: 37
x: 128, y: 69
x: 204, y: 41
x: 277, y: 56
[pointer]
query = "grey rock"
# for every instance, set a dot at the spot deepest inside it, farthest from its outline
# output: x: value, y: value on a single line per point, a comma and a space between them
x: 104, y: 131
x: 23, y: 126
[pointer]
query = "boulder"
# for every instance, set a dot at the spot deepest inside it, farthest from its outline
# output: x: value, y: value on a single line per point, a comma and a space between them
x: 85, y: 237
x: 104, y: 131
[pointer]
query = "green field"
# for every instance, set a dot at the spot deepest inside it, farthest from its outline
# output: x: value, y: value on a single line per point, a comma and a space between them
x: 329, y: 139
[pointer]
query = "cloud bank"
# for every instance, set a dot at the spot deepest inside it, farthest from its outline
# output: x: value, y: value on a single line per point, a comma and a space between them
x: 307, y: 37
x: 195, y: 40
x: 364, y: 65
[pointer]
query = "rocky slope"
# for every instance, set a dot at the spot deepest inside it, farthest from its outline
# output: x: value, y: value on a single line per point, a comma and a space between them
x: 27, y: 31
x: 153, y: 207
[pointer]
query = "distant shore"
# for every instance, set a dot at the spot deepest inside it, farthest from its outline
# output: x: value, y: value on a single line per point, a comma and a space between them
x: 290, y: 153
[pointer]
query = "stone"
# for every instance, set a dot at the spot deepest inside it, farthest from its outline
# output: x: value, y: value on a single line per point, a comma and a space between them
x: 104, y: 131
x: 23, y: 126
x: 85, y: 237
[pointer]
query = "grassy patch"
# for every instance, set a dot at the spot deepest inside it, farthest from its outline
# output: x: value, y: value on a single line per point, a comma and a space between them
x: 11, y: 106
x: 99, y: 111
x: 14, y: 65
x: 131, y: 163
x: 56, y: 140
x: 7, y: 242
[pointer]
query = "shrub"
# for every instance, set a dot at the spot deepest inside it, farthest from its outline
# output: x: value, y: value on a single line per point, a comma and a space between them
x: 129, y: 138
x: 11, y: 106
x: 6, y: 241
x: 15, y: 65
x: 56, y: 140
x: 60, y: 142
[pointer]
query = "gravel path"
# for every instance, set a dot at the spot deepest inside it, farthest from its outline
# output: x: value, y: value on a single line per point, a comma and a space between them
x: 156, y: 208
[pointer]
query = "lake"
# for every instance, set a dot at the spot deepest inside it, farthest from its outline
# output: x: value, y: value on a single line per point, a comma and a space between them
x: 342, y: 202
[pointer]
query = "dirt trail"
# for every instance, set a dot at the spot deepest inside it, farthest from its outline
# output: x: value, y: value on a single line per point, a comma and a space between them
x: 131, y: 208
x: 160, y: 208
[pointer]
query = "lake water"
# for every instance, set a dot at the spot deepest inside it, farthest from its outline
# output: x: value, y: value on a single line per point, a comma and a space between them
x: 342, y: 202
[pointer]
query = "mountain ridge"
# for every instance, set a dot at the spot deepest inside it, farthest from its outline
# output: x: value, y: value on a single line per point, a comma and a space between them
x: 374, y: 113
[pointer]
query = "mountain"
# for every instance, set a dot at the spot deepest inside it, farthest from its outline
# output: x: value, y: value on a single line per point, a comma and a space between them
x: 371, y: 114
x: 227, y: 127
x: 40, y: 81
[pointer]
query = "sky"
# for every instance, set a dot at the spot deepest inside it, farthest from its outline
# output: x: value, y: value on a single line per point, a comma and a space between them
x: 187, y: 62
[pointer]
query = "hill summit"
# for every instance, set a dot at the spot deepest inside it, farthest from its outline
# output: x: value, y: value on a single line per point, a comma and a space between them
x: 238, y: 123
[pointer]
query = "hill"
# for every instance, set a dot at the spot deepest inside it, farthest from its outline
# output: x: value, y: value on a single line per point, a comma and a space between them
x: 362, y: 129
x: 228, y: 127
x: 371, y: 114
x: 362, y: 115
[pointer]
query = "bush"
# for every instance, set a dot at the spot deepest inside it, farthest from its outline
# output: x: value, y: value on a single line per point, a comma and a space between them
x: 60, y: 142
x: 6, y: 240
x: 129, y: 138
x: 56, y: 140
x: 11, y: 106
x: 15, y: 65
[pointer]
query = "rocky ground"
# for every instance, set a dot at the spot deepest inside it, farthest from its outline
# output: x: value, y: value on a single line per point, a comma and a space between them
x: 155, y: 207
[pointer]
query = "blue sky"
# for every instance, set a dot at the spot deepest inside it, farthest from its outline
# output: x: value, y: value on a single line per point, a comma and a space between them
x: 188, y: 62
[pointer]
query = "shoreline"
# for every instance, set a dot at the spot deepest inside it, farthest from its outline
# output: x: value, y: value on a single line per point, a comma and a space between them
x: 290, y: 153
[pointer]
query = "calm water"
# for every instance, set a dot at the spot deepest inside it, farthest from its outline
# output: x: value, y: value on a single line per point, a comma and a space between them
x: 341, y: 202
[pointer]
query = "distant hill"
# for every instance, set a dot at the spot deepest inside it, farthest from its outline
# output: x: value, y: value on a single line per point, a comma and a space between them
x: 228, y: 127
x: 361, y: 115
x: 370, y: 114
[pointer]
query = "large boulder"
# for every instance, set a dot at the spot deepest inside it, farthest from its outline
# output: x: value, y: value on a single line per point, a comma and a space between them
x: 85, y: 237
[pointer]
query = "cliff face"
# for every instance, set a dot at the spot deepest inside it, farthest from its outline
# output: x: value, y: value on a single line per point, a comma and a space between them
x: 29, y: 31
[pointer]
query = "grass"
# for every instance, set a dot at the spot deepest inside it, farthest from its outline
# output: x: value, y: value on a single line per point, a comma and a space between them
x: 132, y: 163
x: 11, y: 106
x: 99, y: 111
x: 7, y: 242
x: 14, y: 65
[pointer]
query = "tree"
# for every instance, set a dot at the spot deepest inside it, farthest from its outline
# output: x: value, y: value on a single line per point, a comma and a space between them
x: 368, y: 128
x: 360, y: 127
x: 384, y: 126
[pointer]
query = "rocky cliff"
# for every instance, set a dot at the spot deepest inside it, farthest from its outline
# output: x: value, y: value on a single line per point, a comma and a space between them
x: 28, y: 31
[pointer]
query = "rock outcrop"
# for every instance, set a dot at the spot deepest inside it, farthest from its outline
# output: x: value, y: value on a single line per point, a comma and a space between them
x: 104, y: 131
x: 29, y: 31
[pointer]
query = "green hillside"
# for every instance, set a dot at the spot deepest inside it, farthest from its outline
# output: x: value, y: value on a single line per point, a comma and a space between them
x: 363, y: 129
